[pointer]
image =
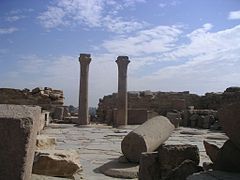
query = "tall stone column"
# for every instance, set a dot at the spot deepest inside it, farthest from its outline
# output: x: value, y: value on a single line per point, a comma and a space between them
x: 84, y: 60
x: 122, y: 102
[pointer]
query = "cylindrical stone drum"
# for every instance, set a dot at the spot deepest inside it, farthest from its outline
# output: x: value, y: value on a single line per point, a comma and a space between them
x: 146, y: 138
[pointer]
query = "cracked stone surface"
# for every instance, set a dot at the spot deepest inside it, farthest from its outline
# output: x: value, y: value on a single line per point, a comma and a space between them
x: 99, y: 144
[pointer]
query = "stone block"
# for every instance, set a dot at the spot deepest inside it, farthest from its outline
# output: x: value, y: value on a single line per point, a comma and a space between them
x: 45, y: 142
x: 59, y: 163
x: 22, y: 111
x: 211, y: 150
x: 18, y: 131
x: 185, y: 169
x: 171, y: 156
x: 149, y: 167
x: 228, y: 158
x: 146, y: 138
x: 229, y: 117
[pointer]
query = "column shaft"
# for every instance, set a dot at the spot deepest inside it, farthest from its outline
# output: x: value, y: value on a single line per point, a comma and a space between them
x: 83, y: 92
x: 122, y: 99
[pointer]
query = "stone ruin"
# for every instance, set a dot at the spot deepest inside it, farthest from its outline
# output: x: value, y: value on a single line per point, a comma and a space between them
x: 145, y: 147
x: 47, y: 98
x: 182, y: 108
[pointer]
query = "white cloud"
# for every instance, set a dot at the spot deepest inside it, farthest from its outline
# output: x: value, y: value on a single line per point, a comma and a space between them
x: 120, y: 26
x: 91, y: 13
x: 164, y: 4
x: 234, y: 15
x: 8, y: 30
x: 14, y: 18
x: 156, y: 40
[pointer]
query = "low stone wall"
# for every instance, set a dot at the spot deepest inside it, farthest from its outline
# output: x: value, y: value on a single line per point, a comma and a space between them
x: 164, y: 102
x: 159, y: 102
x: 47, y: 98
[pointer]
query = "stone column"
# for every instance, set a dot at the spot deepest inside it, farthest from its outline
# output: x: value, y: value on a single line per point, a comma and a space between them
x: 122, y: 102
x: 84, y: 60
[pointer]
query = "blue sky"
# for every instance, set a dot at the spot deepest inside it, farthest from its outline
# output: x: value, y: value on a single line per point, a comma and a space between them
x: 173, y: 45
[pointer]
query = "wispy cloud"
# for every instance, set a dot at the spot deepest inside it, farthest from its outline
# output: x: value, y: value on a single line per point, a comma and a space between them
x: 155, y: 40
x: 93, y: 13
x: 14, y: 18
x: 8, y: 30
x: 164, y: 4
x: 233, y: 15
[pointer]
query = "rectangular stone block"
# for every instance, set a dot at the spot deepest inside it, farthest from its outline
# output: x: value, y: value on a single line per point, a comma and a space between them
x: 22, y: 111
x: 149, y: 167
x: 18, y: 131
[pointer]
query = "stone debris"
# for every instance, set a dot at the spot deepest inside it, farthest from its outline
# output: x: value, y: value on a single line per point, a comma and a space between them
x: 45, y: 142
x: 120, y: 170
x: 181, y: 172
x: 211, y: 150
x: 60, y: 163
x: 18, y: 131
x: 47, y: 98
x: 171, y: 156
x: 146, y: 138
x: 230, y: 119
x: 228, y: 158
x: 149, y: 166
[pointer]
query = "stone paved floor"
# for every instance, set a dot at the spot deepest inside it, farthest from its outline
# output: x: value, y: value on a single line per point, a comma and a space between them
x: 99, y: 144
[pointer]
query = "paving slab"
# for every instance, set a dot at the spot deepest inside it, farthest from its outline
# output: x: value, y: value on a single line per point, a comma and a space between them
x: 100, y: 144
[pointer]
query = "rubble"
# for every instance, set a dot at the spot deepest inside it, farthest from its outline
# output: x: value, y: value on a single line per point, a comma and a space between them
x: 60, y: 163
x: 46, y: 98
x: 45, y: 142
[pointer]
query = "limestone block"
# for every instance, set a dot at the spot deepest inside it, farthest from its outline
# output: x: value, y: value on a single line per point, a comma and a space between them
x: 185, y: 169
x: 171, y: 156
x: 22, y: 111
x: 120, y: 170
x: 211, y: 150
x: 149, y: 167
x: 45, y: 142
x: 62, y: 163
x: 18, y: 131
x: 146, y: 138
x: 229, y: 117
x: 228, y: 158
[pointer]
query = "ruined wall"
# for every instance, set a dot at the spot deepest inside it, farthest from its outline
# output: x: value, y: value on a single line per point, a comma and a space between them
x: 160, y: 102
x: 163, y: 102
x: 46, y: 97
